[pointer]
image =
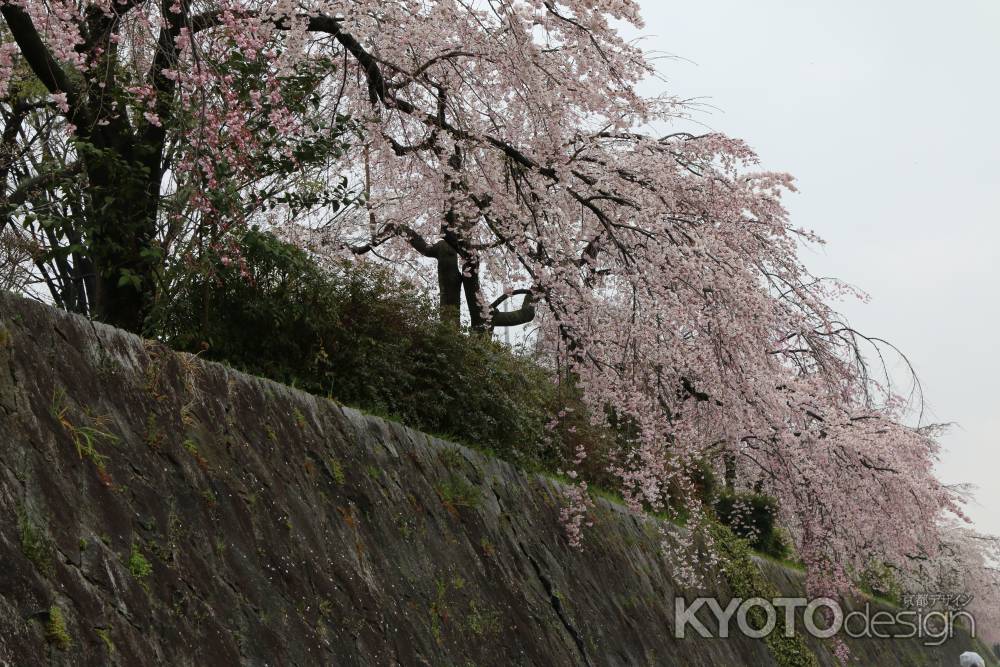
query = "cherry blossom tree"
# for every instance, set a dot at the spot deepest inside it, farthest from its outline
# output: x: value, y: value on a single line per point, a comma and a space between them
x: 964, y: 568
x: 128, y: 142
x: 502, y: 147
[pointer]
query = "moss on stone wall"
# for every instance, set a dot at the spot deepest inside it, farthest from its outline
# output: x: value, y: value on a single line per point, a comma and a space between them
x: 267, y: 525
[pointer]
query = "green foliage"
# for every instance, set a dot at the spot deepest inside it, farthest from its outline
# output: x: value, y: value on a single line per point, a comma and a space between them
x: 456, y: 492
x: 85, y: 436
x: 367, y: 339
x: 439, y: 612
x: 337, y: 471
x: 360, y: 335
x: 746, y: 581
x: 105, y: 636
x: 118, y: 225
x: 154, y: 436
x: 35, y: 546
x: 706, y: 485
x: 283, y: 153
x: 55, y: 630
x: 483, y: 622
x: 752, y: 516
x: 138, y: 565
x: 450, y: 458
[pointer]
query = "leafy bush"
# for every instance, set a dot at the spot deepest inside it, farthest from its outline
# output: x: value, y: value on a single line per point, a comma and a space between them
x: 365, y: 338
x: 747, y: 581
x: 752, y: 516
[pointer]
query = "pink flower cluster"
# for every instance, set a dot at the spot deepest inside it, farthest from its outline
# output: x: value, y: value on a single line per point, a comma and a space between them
x: 663, y: 268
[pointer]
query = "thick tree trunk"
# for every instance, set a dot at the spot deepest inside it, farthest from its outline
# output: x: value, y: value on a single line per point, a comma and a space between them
x: 729, y: 460
x: 449, y: 286
x: 122, y: 164
x: 124, y: 189
x: 120, y: 306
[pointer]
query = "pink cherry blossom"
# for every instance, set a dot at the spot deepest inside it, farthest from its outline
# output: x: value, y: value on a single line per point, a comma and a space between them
x: 505, y: 143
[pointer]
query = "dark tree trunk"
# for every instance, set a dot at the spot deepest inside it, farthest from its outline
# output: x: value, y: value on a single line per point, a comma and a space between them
x: 449, y: 286
x: 122, y: 164
x: 473, y: 294
x: 729, y: 461
x: 121, y: 230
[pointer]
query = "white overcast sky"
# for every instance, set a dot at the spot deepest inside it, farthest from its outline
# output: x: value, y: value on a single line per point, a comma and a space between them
x: 888, y: 114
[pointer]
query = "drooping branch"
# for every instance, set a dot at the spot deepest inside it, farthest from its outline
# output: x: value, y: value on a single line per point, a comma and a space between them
x: 42, y: 63
x: 32, y: 186
x: 164, y: 86
x: 513, y: 318
x: 416, y: 241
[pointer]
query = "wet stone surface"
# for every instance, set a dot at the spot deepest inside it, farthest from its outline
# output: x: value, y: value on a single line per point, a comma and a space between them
x: 170, y: 511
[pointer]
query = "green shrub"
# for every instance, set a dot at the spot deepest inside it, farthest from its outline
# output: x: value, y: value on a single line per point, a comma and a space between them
x: 752, y: 516
x: 364, y: 337
x: 746, y: 581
